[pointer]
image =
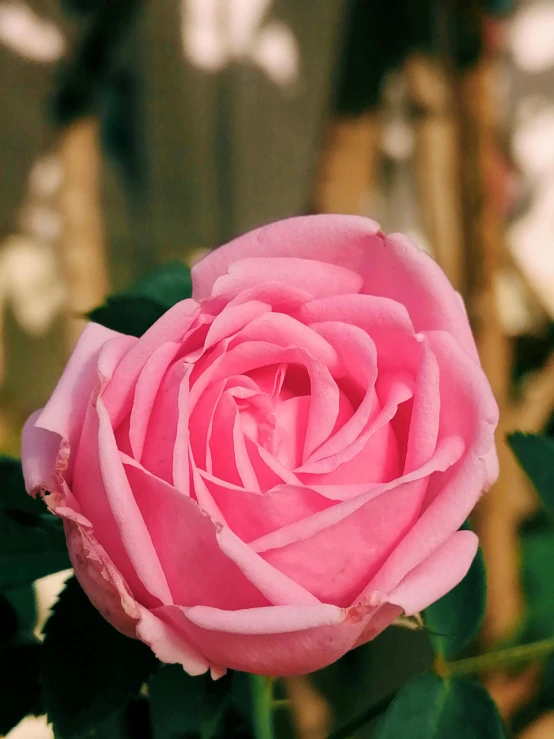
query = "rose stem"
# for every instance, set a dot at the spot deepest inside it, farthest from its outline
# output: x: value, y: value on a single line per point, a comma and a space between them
x: 262, y: 706
x: 490, y: 661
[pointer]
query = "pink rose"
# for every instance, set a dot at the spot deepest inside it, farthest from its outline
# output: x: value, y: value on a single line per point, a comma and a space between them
x: 280, y: 465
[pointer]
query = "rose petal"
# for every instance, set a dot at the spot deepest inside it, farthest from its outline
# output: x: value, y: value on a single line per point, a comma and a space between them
x: 437, y: 574
x: 269, y: 470
x: 39, y: 453
x: 377, y: 461
x: 281, y: 297
x: 280, y: 640
x: 168, y: 645
x: 65, y: 411
x: 181, y: 471
x: 291, y: 423
x: 170, y: 328
x: 458, y: 491
x: 251, y: 355
x: 396, y: 390
x: 424, y: 422
x: 282, y: 330
x: 402, y: 271
x: 186, y: 543
x: 94, y: 506
x: 277, y: 587
x: 384, y: 616
x: 233, y: 319
x: 463, y: 382
x: 335, y: 563
x: 392, y: 267
x: 146, y: 389
x: 261, y: 513
x: 340, y: 240
x: 163, y: 449
x: 110, y: 595
x: 229, y: 460
x: 448, y: 452
x: 100, y: 578
x: 326, y: 279
x: 359, y: 358
x: 385, y: 321
x: 133, y: 531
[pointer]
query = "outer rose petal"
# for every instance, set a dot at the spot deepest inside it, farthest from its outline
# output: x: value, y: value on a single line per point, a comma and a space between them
x: 323, y: 238
x: 99, y: 578
x: 39, y: 452
x: 278, y: 640
x: 170, y: 647
x: 65, y: 411
x: 109, y: 593
x: 436, y: 575
x: 491, y: 463
x: 392, y: 266
x: 438, y: 523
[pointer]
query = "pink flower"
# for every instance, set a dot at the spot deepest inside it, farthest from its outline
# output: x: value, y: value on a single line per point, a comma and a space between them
x: 279, y: 467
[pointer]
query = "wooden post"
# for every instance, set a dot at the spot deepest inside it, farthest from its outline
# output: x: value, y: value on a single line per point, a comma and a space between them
x: 348, y: 164
x: 436, y: 160
x: 82, y: 244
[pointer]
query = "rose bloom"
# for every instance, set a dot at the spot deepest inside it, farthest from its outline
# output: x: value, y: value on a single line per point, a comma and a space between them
x: 280, y: 466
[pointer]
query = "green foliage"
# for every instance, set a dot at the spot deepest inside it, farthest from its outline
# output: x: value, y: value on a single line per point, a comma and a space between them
x: 432, y: 707
x: 33, y: 542
x: 13, y: 495
x: 181, y: 705
x: 32, y: 547
x: 82, y: 75
x: 165, y: 285
x: 126, y: 314
x: 363, y: 676
x: 536, y: 456
x: 454, y: 620
x: 20, y: 683
x: 498, y: 7
x: 379, y: 36
x: 537, y: 556
x: 17, y: 597
x: 134, y: 311
x: 89, y: 669
x: 18, y: 614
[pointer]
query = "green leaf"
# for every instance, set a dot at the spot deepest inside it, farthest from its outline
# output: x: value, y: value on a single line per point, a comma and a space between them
x: 127, y: 314
x: 454, y: 620
x: 31, y: 546
x: 370, y: 672
x: 32, y: 542
x: 431, y: 707
x: 13, y: 495
x: 535, y: 454
x: 536, y: 557
x: 134, y: 311
x: 89, y: 669
x: 18, y: 614
x: 165, y: 285
x: 130, y: 721
x: 20, y: 684
x: 182, y: 705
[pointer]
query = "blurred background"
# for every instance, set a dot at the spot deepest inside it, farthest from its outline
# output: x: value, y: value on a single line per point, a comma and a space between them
x: 132, y: 132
